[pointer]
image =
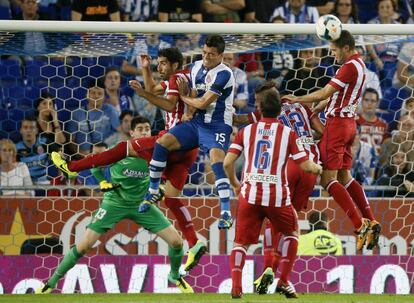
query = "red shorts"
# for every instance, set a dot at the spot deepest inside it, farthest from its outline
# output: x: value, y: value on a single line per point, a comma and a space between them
x: 336, y: 142
x: 250, y: 219
x: 301, y: 185
x: 178, y: 163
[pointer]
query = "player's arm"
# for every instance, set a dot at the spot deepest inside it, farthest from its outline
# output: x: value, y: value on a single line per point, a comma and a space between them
x: 167, y: 104
x: 300, y: 156
x: 149, y: 83
x: 244, y: 119
x: 228, y: 165
x: 317, y: 126
x: 317, y: 96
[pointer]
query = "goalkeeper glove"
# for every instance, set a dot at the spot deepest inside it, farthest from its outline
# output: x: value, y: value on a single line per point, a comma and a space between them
x: 151, y: 199
x: 107, y: 186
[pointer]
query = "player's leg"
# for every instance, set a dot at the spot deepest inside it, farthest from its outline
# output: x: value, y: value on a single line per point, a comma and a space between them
x: 102, y: 221
x: 216, y: 139
x: 285, y: 219
x: 155, y: 221
x: 358, y: 195
x: 248, y: 224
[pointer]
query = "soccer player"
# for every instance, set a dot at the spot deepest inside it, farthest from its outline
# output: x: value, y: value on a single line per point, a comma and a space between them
x: 344, y: 94
x: 211, y: 126
x: 264, y: 192
x: 121, y: 203
x: 179, y: 163
x: 299, y: 118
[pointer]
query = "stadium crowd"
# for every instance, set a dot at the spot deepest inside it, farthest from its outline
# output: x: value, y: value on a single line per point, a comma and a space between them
x: 81, y: 115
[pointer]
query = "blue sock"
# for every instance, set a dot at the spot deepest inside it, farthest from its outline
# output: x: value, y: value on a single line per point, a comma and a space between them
x: 222, y: 185
x: 156, y: 167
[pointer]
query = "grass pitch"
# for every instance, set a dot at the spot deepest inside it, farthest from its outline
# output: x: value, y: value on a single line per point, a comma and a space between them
x: 201, y: 298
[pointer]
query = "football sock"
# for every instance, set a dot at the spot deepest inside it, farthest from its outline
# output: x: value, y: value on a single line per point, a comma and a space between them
x: 71, y: 258
x: 357, y: 193
x: 268, y: 248
x: 176, y: 256
x: 342, y: 197
x: 157, y: 165
x: 183, y: 217
x: 278, y: 242
x: 237, y: 259
x: 289, y: 251
x: 118, y: 152
x: 223, y: 186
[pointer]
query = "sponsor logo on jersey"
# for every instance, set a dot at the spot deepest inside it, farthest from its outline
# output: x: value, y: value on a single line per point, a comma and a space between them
x: 134, y: 173
x: 306, y: 140
x: 253, y: 177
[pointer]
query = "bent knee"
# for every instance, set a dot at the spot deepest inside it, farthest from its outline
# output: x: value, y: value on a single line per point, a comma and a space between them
x: 168, y: 141
x: 177, y: 242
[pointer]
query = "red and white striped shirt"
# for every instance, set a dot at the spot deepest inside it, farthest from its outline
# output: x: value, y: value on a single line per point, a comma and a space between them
x: 171, y: 89
x: 266, y: 146
x: 298, y: 117
x: 349, y: 80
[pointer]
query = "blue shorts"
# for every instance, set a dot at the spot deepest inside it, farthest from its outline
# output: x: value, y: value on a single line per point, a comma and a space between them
x: 195, y: 133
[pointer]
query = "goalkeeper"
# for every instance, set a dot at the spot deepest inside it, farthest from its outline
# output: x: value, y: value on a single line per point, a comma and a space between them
x: 132, y: 176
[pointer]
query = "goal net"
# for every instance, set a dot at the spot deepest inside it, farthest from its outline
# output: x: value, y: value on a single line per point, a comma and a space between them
x: 44, y: 77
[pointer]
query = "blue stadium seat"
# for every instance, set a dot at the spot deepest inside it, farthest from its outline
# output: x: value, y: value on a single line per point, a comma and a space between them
x: 65, y: 13
x: 5, y: 13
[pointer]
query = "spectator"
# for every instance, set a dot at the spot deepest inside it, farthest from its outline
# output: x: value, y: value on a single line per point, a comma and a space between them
x: 95, y: 10
x: 364, y: 161
x: 373, y: 129
x: 241, y: 94
x: 180, y: 11
x: 408, y: 107
x: 113, y: 92
x: 95, y: 122
x: 404, y: 77
x: 296, y: 11
x: 346, y: 11
x: 139, y: 10
x: 48, y: 122
x: 323, y: 6
x: 399, y: 173
x: 371, y: 78
x: 260, y: 10
x: 124, y: 133
x: 319, y: 241
x: 32, y: 151
x: 222, y: 10
x: 307, y: 75
x: 13, y: 173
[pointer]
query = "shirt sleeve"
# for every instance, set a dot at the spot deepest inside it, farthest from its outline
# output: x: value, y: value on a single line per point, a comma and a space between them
x: 237, y: 146
x: 347, y: 73
x: 242, y: 92
x: 296, y: 149
x: 172, y: 87
x: 220, y: 82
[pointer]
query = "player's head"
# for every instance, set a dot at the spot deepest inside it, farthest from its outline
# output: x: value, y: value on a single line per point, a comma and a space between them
x: 343, y: 47
x: 96, y: 93
x: 264, y: 87
x: 140, y: 127
x: 169, y: 60
x: 370, y: 100
x: 269, y: 103
x: 213, y: 50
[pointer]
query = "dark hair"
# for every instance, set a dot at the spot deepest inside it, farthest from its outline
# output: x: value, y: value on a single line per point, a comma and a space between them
x: 111, y: 69
x: 43, y: 96
x: 354, y: 10
x: 101, y: 144
x: 216, y: 41
x: 270, y: 104
x: 318, y: 220
x: 346, y: 39
x: 394, y: 5
x: 96, y: 83
x: 265, y: 86
x: 124, y: 113
x: 372, y: 91
x: 139, y: 120
x: 173, y: 55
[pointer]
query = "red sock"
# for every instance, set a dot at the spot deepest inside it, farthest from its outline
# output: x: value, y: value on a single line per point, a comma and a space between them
x: 118, y: 152
x: 357, y: 193
x: 342, y: 197
x: 289, y: 251
x: 268, y: 247
x: 278, y: 240
x: 237, y: 259
x: 183, y: 217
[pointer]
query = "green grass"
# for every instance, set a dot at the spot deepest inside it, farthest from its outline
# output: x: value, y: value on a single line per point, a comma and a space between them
x: 200, y: 298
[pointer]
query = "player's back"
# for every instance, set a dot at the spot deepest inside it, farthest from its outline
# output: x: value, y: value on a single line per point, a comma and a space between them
x: 267, y: 146
x: 219, y: 80
x: 171, y: 89
x: 349, y: 81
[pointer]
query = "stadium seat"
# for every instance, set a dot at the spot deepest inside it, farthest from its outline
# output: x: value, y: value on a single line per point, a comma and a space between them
x: 5, y: 13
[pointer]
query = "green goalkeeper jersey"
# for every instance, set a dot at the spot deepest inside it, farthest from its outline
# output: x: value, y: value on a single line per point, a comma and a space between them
x: 132, y: 175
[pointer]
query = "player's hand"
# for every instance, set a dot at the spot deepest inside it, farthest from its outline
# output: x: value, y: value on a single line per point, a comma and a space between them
x: 320, y: 107
x: 106, y: 186
x: 137, y: 87
x: 145, y: 61
x: 186, y: 117
x: 318, y: 169
x: 183, y: 88
x: 290, y: 99
x: 379, y: 64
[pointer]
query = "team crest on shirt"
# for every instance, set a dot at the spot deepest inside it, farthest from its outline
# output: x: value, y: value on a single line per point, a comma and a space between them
x: 208, y: 79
